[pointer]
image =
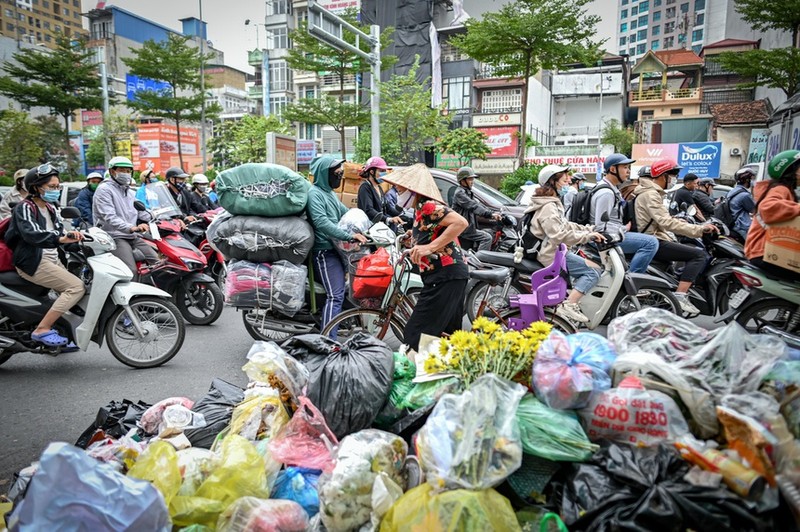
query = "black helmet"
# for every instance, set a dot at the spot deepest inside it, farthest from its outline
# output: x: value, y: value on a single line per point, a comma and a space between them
x: 38, y: 176
x: 743, y: 175
x: 176, y: 171
x: 644, y: 171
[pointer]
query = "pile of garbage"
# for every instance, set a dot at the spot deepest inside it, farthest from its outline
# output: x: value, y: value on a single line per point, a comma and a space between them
x: 663, y: 425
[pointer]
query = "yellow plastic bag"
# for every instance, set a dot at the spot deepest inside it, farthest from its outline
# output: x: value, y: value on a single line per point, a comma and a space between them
x: 158, y: 464
x: 187, y: 511
x: 463, y: 510
x: 259, y: 418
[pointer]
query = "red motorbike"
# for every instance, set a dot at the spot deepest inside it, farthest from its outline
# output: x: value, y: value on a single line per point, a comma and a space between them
x: 196, y: 233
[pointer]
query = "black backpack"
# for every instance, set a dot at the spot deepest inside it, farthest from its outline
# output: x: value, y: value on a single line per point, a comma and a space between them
x: 723, y: 212
x: 581, y: 209
x: 529, y: 243
x: 629, y: 216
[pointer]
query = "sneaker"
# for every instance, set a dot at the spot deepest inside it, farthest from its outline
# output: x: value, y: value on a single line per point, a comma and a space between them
x: 686, y: 306
x: 572, y: 312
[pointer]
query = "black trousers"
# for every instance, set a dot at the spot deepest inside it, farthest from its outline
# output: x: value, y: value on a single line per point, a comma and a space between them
x: 694, y: 257
x: 440, y: 309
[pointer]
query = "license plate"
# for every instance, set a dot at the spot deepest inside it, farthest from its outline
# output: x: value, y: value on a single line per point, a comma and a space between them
x: 739, y: 297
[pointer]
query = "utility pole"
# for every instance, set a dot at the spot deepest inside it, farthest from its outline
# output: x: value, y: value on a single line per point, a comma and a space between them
x: 203, y: 90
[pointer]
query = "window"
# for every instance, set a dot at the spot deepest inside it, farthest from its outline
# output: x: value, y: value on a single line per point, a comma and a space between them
x: 451, y: 53
x: 685, y: 7
x: 38, y: 23
x: 632, y: 38
x: 641, y: 48
x: 622, y: 28
x: 642, y: 21
x: 46, y: 25
x: 674, y: 112
x: 654, y: 45
x: 644, y: 6
x: 697, y: 35
x: 47, y: 37
x: 656, y: 30
x: 277, y: 7
x: 45, y: 4
x: 642, y: 35
x: 669, y: 27
x: 624, y: 2
x: 622, y: 41
x: 696, y: 48
x: 39, y: 36
x: 280, y: 38
x: 647, y: 113
x: 278, y: 76
x: 669, y: 42
x: 58, y: 28
x: 623, y: 14
x: 632, y: 51
x: 456, y: 92
x: 277, y: 105
x: 656, y: 3
x: 633, y: 24
x: 9, y: 13
x: 494, y: 101
x: 634, y: 11
x: 76, y: 3
x: 699, y: 19
x: 656, y: 16
x: 699, y: 5
x: 670, y: 12
x: 682, y: 38
x: 66, y: 12
x: 9, y: 26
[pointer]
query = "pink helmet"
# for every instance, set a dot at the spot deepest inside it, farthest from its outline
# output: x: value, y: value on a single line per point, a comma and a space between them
x: 375, y: 162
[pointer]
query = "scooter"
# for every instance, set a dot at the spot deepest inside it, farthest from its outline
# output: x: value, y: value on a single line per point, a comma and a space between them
x: 142, y: 326
x: 215, y: 261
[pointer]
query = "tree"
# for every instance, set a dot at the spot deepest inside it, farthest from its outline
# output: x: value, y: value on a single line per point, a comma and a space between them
x: 244, y: 141
x: 311, y: 55
x: 466, y: 143
x: 512, y: 183
x: 63, y: 80
x: 764, y: 15
x: 118, y: 126
x: 525, y: 36
x: 174, y: 62
x: 407, y: 119
x: 19, y: 144
x: 56, y: 149
x: 621, y: 137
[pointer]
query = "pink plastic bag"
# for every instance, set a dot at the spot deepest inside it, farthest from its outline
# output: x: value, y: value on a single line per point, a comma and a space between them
x: 306, y: 441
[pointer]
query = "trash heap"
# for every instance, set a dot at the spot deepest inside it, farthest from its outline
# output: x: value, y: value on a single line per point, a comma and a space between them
x: 663, y: 426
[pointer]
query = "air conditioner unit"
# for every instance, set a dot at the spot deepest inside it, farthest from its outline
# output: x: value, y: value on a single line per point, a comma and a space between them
x: 736, y: 152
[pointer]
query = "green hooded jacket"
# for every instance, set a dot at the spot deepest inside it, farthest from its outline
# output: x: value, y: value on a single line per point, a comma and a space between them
x: 324, y: 208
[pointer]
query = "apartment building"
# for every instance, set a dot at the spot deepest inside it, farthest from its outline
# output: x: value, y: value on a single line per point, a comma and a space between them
x: 660, y: 25
x: 38, y: 22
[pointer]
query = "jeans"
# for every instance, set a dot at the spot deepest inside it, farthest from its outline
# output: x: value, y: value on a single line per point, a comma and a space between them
x: 693, y: 256
x: 329, y: 269
x: 585, y: 276
x: 642, y: 247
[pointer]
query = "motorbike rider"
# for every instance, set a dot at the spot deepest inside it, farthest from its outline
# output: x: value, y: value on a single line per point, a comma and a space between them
x: 652, y: 218
x: 15, y: 195
x: 145, y: 195
x: 685, y: 194
x: 114, y: 213
x: 371, y: 198
x: 776, y: 201
x: 187, y: 202
x: 85, y: 199
x: 200, y: 192
x: 608, y: 200
x: 465, y: 204
x: 324, y: 212
x: 550, y: 224
x: 35, y: 233
x: 741, y: 203
x: 702, y: 197
x: 577, y: 183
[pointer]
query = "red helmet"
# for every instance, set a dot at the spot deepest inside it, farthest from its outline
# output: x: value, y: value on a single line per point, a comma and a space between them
x: 663, y: 166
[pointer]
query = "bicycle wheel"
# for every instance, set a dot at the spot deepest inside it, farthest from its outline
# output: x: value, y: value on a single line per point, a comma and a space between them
x: 475, y: 298
x: 372, y: 322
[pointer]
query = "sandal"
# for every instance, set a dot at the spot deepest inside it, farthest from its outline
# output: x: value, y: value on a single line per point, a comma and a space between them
x: 50, y: 338
x: 70, y: 348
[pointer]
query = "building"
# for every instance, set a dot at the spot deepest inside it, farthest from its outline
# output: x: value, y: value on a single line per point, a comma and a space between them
x: 721, y: 85
x: 227, y: 87
x: 38, y: 22
x: 660, y: 25
x: 733, y: 125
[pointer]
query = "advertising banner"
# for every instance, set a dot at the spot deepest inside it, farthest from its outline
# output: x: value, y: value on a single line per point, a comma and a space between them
x: 306, y: 151
x: 339, y: 6
x: 501, y: 119
x: 282, y: 149
x: 647, y: 154
x: 757, y: 151
x: 494, y: 166
x: 448, y: 161
x: 158, y: 144
x: 586, y: 164
x: 502, y: 140
x: 701, y: 158
x: 91, y: 118
x: 134, y: 84
x: 774, y: 142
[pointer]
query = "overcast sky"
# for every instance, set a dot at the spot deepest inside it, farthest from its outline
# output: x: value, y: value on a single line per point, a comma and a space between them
x: 226, y: 28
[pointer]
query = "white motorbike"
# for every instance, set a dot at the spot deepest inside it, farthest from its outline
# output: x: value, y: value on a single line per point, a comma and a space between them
x: 142, y: 326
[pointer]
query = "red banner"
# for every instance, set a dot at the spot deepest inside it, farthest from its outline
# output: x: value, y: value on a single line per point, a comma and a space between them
x: 502, y: 140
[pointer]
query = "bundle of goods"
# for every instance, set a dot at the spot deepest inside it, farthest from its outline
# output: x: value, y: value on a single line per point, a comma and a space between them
x: 262, y: 189
x: 280, y: 286
x: 353, y: 221
x: 260, y: 239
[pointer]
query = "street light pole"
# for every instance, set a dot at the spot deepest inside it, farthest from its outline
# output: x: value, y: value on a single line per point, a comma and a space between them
x: 203, y: 91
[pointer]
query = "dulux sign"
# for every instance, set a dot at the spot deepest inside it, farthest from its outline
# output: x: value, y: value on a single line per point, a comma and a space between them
x: 701, y: 158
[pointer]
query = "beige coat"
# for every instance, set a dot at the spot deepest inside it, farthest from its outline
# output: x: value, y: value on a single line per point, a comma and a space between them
x: 550, y: 224
x: 650, y: 207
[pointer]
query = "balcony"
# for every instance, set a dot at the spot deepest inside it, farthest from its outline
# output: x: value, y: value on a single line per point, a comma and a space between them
x: 255, y: 91
x: 254, y: 57
x: 655, y: 97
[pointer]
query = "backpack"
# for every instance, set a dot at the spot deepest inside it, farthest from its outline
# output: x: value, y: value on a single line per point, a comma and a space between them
x: 723, y: 212
x: 629, y: 216
x: 528, y: 242
x: 6, y: 253
x: 581, y: 209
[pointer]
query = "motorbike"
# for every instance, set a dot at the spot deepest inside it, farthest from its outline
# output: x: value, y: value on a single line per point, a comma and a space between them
x: 142, y: 327
x: 215, y: 261
x: 504, y: 235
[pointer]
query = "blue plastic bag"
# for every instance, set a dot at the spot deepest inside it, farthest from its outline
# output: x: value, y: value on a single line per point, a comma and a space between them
x: 299, y: 484
x: 569, y: 369
x: 72, y: 491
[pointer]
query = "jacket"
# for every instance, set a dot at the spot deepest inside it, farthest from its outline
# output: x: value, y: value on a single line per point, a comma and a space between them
x: 681, y: 196
x: 324, y: 208
x: 12, y: 196
x: 187, y: 201
x: 205, y: 201
x: 113, y: 210
x: 650, y: 207
x: 568, y: 199
x: 777, y: 206
x: 550, y: 224
x: 27, y: 235
x: 84, y: 204
x: 703, y: 203
x: 606, y: 198
x: 465, y: 204
x: 374, y: 204
x: 742, y: 207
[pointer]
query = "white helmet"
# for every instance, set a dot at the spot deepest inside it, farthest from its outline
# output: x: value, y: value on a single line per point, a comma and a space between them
x: 199, y: 179
x: 549, y: 171
x: 94, y: 175
x: 120, y: 162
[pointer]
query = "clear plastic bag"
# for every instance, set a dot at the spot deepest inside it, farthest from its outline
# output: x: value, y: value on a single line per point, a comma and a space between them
x: 568, y: 370
x: 195, y: 465
x: 472, y: 440
x: 353, y: 221
x: 251, y: 514
x: 345, y: 494
x: 783, y: 383
x: 552, y: 434
x: 280, y: 286
x: 299, y: 484
x: 159, y: 465
x: 260, y: 417
x: 268, y: 363
x: 177, y: 418
x: 306, y: 441
x: 121, y: 453
x: 153, y: 416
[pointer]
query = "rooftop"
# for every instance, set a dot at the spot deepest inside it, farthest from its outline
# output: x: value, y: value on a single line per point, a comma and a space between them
x: 729, y: 43
x: 741, y: 113
x: 680, y: 57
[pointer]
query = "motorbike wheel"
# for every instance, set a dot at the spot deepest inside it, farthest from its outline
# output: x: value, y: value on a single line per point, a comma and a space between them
x: 775, y: 312
x: 260, y: 324
x: 368, y: 321
x: 164, y: 327
x: 202, y: 305
x: 654, y: 298
x: 475, y: 296
x: 558, y: 323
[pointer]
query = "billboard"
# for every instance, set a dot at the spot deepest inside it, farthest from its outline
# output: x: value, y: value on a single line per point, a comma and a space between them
x: 586, y: 164
x: 502, y: 140
x: 134, y: 84
x: 91, y: 118
x: 339, y: 6
x: 158, y: 144
x: 757, y: 151
x: 306, y: 151
x: 498, y: 119
x: 701, y: 158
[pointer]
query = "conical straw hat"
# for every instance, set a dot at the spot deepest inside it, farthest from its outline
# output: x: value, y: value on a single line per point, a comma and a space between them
x: 416, y: 178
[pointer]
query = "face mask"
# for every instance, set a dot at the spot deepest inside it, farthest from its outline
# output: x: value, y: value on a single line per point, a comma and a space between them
x: 581, y: 185
x: 93, y: 186
x: 379, y: 180
x: 51, y: 196
x: 180, y: 185
x: 153, y: 180
x: 334, y: 180
x: 201, y: 188
x: 563, y: 191
x: 671, y: 182
x: 122, y: 179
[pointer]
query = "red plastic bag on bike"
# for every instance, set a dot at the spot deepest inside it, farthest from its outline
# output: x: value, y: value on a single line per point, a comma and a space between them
x: 373, y: 275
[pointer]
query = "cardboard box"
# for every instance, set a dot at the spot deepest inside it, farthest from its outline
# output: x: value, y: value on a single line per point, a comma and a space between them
x: 351, y: 186
x: 350, y: 200
x: 783, y: 245
x: 351, y: 170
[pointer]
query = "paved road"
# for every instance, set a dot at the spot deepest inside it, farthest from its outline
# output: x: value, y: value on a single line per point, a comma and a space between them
x: 44, y: 399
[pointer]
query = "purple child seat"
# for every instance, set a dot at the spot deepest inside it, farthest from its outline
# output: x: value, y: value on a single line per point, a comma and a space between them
x: 549, y: 289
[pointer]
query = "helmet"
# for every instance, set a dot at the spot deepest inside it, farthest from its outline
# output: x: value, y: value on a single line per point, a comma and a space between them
x: 120, y: 162
x: 94, y: 175
x: 39, y: 176
x: 549, y: 171
x: 199, y: 179
x: 465, y: 172
x: 743, y: 175
x: 577, y: 176
x: 663, y: 166
x: 176, y: 171
x: 615, y: 159
x: 779, y: 164
x: 20, y: 174
x: 707, y: 181
x: 375, y: 162
x: 644, y: 171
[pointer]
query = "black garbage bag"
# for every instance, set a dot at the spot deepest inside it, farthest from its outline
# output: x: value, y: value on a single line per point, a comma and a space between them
x: 116, y: 419
x: 217, y: 407
x: 348, y: 382
x: 641, y: 489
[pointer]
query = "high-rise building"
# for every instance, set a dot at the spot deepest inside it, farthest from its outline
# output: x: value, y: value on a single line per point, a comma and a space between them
x: 660, y: 25
x: 38, y: 22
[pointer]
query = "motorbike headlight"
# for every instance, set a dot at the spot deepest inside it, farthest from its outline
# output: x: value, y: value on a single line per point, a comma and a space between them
x: 193, y: 264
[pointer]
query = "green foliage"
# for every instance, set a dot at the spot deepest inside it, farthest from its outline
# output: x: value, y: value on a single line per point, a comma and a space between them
x: 512, y: 183
x: 175, y: 62
x: 327, y: 111
x: 525, y: 36
x: 778, y: 68
x: 118, y: 126
x: 621, y: 137
x: 764, y: 15
x: 55, y: 146
x: 466, y: 143
x: 407, y: 119
x: 363, y: 148
x: 244, y: 141
x: 19, y: 144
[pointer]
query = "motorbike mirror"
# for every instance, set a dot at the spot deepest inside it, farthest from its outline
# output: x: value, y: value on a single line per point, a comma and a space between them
x: 70, y: 212
x: 691, y: 211
x: 139, y: 206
